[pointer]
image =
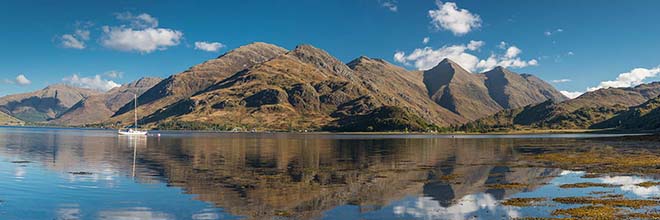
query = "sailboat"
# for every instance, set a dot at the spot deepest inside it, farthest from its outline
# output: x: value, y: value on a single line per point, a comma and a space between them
x: 133, y: 131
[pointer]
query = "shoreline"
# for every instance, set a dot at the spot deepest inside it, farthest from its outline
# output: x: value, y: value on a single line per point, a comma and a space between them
x: 616, y: 133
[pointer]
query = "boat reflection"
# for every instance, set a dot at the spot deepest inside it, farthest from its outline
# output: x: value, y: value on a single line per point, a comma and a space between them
x: 300, y: 176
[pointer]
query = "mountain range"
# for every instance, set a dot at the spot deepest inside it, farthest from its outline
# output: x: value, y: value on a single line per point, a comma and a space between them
x: 625, y: 108
x: 265, y: 87
x: 44, y: 104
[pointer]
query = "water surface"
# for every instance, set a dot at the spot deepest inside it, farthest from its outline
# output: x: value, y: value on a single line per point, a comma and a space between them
x: 93, y: 174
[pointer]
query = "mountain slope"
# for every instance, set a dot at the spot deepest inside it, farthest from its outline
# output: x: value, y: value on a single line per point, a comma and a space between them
x: 591, y: 110
x: 460, y: 91
x: 292, y: 91
x: 642, y: 117
x: 474, y: 96
x: 307, y: 88
x: 395, y: 86
x: 6, y: 119
x: 197, y: 78
x: 100, y: 107
x: 44, y: 104
x: 511, y: 90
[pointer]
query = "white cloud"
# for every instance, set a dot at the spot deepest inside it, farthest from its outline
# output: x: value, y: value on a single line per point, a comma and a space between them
x: 552, y: 32
x: 142, y: 35
x: 427, y: 57
x: 208, y: 46
x: 70, y: 41
x: 96, y: 82
x: 570, y: 94
x: 560, y: 80
x: 20, y: 79
x: 426, y: 40
x: 78, y: 38
x: 628, y: 79
x: 475, y: 45
x: 114, y: 74
x: 512, y: 52
x: 457, y: 20
x: 391, y: 5
x: 570, y: 53
x: 143, y: 41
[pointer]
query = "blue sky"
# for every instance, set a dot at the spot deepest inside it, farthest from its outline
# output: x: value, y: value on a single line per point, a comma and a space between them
x: 577, y: 44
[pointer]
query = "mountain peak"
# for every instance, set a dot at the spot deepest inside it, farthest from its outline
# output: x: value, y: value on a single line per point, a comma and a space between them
x: 320, y: 58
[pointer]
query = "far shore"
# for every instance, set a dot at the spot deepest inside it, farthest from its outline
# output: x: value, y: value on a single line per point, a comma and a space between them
x: 509, y: 132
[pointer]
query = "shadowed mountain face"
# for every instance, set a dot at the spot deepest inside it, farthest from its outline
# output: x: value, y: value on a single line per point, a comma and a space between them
x: 604, y: 108
x: 197, y: 78
x: 45, y: 104
x: 642, y: 117
x: 100, y: 107
x: 477, y: 95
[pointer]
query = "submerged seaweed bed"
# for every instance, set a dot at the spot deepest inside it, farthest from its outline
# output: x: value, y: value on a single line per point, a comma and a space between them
x: 606, y: 183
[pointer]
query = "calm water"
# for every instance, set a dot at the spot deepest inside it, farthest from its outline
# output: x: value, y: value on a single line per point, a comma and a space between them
x: 92, y: 174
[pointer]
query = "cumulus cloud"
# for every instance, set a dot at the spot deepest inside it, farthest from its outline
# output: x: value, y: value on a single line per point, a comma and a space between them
x: 208, y: 46
x: 20, y: 79
x: 426, y: 40
x: 628, y: 79
x: 457, y: 20
x: 561, y: 80
x: 96, y: 82
x: 512, y: 52
x: 571, y: 95
x: 427, y: 57
x: 475, y: 45
x: 391, y: 5
x: 76, y: 40
x: 141, y: 35
x: 70, y: 41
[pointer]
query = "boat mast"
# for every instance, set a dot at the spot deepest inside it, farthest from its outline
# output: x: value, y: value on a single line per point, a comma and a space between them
x: 135, y: 111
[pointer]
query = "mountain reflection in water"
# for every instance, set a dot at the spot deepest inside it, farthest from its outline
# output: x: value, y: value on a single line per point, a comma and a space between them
x: 91, y: 174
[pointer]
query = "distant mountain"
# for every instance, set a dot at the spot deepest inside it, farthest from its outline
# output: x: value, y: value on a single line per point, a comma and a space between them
x: 602, y: 108
x: 44, y: 104
x: 183, y: 85
x: 99, y: 107
x: 474, y: 96
x: 6, y: 119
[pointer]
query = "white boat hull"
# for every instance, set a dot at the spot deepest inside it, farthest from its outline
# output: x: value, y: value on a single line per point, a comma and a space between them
x: 133, y: 133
